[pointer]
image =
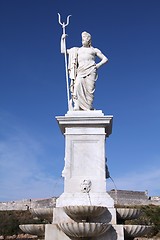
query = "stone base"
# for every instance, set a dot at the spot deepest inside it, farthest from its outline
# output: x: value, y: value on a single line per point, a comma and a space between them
x: 86, y: 199
x: 84, y: 171
x: 78, y: 199
x: 53, y: 232
x: 116, y: 232
x: 85, y: 158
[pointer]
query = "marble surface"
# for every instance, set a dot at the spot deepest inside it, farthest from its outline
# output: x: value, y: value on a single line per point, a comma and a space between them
x: 84, y: 213
x: 84, y: 229
x: 34, y: 229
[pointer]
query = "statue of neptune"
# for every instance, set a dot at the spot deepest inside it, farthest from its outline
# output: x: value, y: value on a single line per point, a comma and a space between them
x: 82, y: 70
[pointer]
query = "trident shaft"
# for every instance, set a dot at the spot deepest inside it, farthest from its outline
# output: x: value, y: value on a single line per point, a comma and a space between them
x: 65, y: 53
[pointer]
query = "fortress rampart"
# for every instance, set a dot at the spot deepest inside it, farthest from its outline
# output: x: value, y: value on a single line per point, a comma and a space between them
x: 27, y: 204
x: 121, y: 197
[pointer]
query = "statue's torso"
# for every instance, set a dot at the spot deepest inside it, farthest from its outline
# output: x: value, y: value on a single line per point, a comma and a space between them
x: 86, y: 56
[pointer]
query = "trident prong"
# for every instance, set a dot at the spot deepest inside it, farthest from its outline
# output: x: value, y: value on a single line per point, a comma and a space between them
x: 63, y: 24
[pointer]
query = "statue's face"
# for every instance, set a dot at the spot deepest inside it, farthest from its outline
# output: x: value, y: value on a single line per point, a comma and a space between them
x: 85, y: 41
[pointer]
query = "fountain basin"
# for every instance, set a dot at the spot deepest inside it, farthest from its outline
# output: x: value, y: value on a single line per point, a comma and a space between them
x: 42, y: 213
x: 84, y: 229
x: 80, y: 213
x: 136, y: 230
x: 34, y: 229
x: 127, y: 213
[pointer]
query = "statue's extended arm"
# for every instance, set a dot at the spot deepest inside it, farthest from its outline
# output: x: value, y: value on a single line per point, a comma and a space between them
x: 103, y: 58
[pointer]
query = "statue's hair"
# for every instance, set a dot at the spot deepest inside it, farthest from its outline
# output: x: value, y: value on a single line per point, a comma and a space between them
x: 86, y: 34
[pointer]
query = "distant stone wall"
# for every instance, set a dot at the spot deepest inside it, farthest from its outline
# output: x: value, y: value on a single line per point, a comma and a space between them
x: 124, y: 197
x: 155, y: 198
x: 121, y: 197
x: 28, y: 203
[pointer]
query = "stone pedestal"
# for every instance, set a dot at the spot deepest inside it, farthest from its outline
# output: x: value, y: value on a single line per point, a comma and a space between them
x: 84, y: 172
x: 85, y: 135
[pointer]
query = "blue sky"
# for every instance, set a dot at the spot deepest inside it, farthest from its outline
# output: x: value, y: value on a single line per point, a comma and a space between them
x: 33, y: 91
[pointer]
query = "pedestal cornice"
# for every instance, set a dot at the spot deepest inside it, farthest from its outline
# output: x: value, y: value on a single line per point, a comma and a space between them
x: 89, y: 119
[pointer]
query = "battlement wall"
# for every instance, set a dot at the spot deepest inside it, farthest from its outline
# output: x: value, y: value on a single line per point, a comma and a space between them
x: 124, y: 197
x: 121, y: 197
x: 27, y: 204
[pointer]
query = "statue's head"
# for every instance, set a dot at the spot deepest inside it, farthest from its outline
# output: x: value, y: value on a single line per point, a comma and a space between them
x: 86, y: 39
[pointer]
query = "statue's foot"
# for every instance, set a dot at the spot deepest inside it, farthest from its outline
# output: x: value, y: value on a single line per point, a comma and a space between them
x: 76, y: 109
x: 76, y: 106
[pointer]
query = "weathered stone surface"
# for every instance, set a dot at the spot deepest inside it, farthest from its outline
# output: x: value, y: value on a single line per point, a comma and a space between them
x: 42, y: 213
x: 79, y: 213
x: 136, y: 230
x: 83, y: 229
x: 28, y: 203
x: 34, y: 229
x: 85, y: 138
x: 127, y: 213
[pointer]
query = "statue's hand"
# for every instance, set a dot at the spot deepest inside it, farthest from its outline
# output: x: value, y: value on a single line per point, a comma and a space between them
x: 64, y: 35
x: 97, y: 66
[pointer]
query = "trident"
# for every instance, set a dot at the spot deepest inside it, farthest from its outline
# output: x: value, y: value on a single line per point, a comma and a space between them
x: 65, y: 53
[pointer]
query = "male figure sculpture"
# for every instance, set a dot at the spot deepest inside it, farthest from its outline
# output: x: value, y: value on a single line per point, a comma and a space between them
x: 82, y: 70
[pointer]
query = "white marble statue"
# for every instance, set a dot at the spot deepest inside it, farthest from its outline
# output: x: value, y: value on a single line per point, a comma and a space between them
x: 82, y: 70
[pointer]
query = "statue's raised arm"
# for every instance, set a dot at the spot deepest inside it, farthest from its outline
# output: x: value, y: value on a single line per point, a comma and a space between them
x: 63, y: 43
x: 63, y: 50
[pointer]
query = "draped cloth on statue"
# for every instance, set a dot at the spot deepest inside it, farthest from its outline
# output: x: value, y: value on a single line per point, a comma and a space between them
x: 72, y: 62
x: 83, y: 80
x: 84, y: 90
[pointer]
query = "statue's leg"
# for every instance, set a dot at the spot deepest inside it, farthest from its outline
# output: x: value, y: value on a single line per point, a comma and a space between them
x: 75, y: 98
x: 76, y: 105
